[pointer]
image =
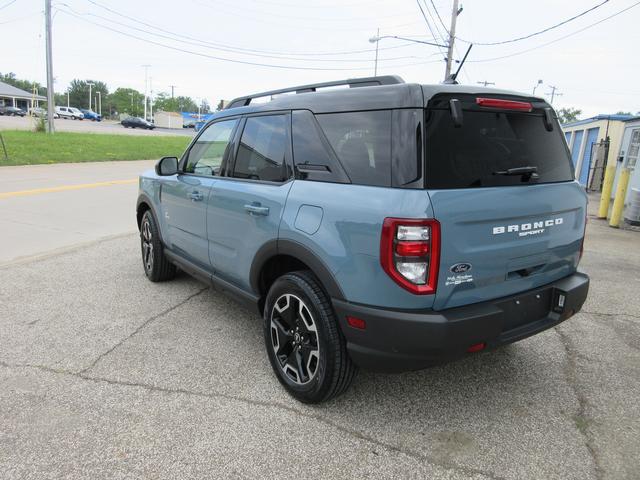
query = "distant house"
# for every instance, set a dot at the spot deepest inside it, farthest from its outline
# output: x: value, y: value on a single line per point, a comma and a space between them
x: 168, y: 119
x: 594, y: 142
x: 15, y: 97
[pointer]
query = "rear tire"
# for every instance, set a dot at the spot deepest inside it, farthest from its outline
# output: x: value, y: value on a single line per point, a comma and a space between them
x: 157, y: 266
x: 304, y: 343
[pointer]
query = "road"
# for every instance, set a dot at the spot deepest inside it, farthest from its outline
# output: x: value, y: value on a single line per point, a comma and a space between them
x: 106, y: 375
x: 87, y: 126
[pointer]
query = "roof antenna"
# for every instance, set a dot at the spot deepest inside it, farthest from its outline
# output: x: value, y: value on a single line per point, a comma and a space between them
x: 453, y: 76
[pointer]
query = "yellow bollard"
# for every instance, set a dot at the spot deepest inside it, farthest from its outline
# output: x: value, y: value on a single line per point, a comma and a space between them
x: 618, y: 202
x: 607, y: 185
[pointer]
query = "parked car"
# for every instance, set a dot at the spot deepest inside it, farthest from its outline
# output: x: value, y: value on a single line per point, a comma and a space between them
x: 12, y: 111
x: 189, y: 123
x: 69, y: 112
x: 137, y: 122
x: 91, y: 115
x: 40, y: 112
x: 389, y: 227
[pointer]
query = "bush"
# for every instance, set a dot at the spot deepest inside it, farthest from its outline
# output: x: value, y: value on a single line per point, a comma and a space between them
x: 41, y: 124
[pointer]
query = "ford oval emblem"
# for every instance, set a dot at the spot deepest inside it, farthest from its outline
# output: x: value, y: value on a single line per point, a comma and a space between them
x: 460, y: 268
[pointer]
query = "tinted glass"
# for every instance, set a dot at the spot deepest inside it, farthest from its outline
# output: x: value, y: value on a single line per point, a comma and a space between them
x: 206, y: 155
x: 407, y: 148
x: 262, y: 149
x: 489, y: 142
x: 311, y: 153
x: 362, y: 142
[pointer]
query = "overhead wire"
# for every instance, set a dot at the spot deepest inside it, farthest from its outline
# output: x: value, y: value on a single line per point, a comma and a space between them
x: 241, y: 49
x: 539, y: 32
x: 557, y: 39
x: 225, y: 59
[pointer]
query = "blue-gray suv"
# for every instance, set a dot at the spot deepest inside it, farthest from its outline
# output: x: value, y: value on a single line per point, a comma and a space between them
x: 374, y: 223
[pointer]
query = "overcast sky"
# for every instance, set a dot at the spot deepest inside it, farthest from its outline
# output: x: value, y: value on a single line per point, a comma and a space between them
x: 596, y: 70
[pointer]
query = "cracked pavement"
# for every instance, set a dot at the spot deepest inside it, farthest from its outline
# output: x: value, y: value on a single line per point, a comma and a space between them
x: 106, y: 375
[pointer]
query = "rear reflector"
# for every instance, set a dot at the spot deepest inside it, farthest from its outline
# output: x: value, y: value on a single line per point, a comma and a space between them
x: 356, y: 323
x: 412, y: 249
x: 504, y: 104
x: 476, y: 348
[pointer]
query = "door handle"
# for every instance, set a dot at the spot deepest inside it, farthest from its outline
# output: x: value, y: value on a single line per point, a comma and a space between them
x: 196, y: 196
x: 256, y: 209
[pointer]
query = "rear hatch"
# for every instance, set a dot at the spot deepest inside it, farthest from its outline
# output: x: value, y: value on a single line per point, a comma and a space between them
x: 502, y: 187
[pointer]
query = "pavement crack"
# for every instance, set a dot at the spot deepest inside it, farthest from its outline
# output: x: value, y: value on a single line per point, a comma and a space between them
x: 603, y: 314
x: 467, y: 471
x: 139, y: 328
x: 580, y: 418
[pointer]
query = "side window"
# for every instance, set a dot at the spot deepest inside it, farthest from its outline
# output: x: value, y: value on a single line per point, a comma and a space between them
x: 206, y: 154
x: 311, y: 152
x: 261, y: 154
x: 362, y: 141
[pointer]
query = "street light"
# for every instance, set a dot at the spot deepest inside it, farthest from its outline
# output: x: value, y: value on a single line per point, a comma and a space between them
x: 90, y: 85
x: 377, y: 39
x: 99, y: 103
x: 536, y: 86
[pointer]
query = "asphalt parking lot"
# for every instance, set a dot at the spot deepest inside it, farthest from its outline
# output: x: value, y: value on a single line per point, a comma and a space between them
x: 87, y: 126
x: 106, y: 375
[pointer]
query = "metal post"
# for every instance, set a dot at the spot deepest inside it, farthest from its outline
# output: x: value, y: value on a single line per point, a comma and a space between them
x: 90, y: 85
x: 68, y: 99
x: 50, y: 94
x: 146, y: 72
x: 452, y: 36
x: 99, y: 103
x: 375, y: 68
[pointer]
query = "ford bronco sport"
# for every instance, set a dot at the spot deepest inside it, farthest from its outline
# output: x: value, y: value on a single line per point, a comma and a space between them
x: 387, y: 226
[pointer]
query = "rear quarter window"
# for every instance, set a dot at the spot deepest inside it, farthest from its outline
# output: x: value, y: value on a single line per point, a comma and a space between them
x: 362, y: 143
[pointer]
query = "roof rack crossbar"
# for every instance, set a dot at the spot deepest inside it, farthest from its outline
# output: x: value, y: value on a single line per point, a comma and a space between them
x: 352, y: 82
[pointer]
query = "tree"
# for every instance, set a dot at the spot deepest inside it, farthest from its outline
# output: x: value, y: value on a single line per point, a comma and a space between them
x: 124, y: 100
x: 27, y: 85
x: 623, y: 113
x: 79, y: 93
x: 566, y: 115
x: 165, y: 103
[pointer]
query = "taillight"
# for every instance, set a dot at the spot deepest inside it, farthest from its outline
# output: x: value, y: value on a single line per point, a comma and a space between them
x: 504, y: 104
x: 410, y: 253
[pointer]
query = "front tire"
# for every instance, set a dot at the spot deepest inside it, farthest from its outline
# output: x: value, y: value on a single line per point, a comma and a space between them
x: 304, y: 343
x: 157, y: 266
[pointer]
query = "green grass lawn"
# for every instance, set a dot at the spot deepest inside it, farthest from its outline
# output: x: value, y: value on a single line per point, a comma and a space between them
x: 30, y: 148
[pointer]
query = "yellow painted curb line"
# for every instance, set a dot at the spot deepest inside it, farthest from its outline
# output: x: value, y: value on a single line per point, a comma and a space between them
x: 65, y: 188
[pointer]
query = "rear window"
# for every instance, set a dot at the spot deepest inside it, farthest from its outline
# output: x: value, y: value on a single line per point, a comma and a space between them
x: 489, y: 142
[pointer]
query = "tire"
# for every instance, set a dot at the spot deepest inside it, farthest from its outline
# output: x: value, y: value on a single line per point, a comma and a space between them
x: 157, y: 266
x: 303, y: 340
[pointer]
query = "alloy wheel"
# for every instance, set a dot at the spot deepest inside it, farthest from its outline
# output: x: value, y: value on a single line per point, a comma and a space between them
x: 147, y: 245
x: 294, y: 339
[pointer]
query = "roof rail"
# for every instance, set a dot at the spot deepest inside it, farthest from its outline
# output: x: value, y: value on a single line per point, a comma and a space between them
x: 352, y: 82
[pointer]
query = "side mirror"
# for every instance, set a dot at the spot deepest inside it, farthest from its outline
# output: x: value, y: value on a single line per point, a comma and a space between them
x: 167, y: 166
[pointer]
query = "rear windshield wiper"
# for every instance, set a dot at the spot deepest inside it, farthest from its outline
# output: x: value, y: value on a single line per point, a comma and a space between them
x: 527, y: 173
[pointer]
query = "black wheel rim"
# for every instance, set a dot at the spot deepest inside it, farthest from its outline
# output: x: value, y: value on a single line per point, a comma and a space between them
x: 294, y: 339
x: 147, y: 245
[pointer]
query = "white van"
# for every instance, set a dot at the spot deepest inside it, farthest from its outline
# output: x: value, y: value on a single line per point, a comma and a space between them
x: 69, y: 112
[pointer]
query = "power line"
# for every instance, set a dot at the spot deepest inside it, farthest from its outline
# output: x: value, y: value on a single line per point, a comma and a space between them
x: 439, y: 17
x: 224, y: 59
x: 564, y: 22
x: 7, y: 4
x: 210, y: 45
x: 241, y: 49
x: 557, y: 39
x: 427, y: 22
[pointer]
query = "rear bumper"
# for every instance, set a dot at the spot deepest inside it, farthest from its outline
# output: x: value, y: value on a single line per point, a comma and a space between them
x: 396, y: 341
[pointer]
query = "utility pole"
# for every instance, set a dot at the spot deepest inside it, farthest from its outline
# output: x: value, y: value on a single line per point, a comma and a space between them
x: 50, y: 94
x: 146, y: 72
x: 485, y: 83
x: 452, y: 35
x: 90, y: 85
x: 151, y: 99
x: 68, y: 105
x: 553, y: 93
x: 375, y: 67
x: 172, y: 87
